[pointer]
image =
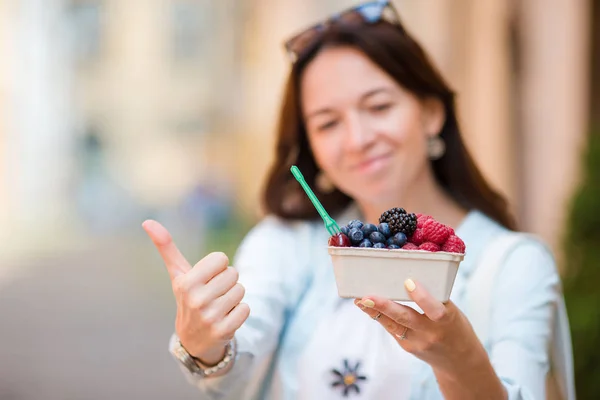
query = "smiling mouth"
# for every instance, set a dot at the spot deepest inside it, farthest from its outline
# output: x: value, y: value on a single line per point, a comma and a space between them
x: 371, y: 163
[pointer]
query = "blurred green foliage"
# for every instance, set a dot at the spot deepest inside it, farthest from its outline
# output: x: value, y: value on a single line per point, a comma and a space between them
x: 581, y: 284
x: 227, y: 236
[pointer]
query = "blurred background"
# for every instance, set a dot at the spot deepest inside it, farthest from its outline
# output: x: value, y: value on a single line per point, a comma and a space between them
x: 113, y: 111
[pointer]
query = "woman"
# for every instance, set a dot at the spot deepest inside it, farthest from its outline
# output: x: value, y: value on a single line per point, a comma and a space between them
x: 372, y: 125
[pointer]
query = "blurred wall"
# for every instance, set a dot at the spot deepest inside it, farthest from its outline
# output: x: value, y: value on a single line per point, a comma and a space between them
x: 114, y: 111
x: 521, y: 72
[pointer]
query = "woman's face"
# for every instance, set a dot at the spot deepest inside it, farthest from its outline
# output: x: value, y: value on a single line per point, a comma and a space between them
x: 368, y: 134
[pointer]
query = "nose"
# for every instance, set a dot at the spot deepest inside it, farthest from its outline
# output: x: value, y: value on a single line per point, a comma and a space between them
x: 358, y: 134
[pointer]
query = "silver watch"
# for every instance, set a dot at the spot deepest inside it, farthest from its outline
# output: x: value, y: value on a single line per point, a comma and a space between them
x: 196, y: 367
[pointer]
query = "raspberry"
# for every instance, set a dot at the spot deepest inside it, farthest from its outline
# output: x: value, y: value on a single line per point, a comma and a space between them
x: 410, y: 246
x: 435, y: 231
x: 422, y: 218
x: 429, y: 246
x: 454, y: 244
x: 418, y: 237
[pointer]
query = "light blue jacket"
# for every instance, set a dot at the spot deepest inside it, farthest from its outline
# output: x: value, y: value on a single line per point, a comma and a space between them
x: 290, y: 286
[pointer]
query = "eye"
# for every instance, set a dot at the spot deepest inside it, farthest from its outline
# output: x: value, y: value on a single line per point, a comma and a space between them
x: 380, y: 107
x: 328, y: 125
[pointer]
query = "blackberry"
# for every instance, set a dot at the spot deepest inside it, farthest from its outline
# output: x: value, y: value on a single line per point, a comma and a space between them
x: 399, y: 221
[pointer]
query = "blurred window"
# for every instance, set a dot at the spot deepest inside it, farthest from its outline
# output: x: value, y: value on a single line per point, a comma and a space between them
x: 189, y: 24
x: 85, y: 19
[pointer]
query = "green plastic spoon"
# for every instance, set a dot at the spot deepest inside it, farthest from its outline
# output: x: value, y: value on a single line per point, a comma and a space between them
x: 330, y: 224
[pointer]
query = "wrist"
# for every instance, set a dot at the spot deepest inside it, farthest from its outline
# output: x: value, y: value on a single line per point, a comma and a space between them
x: 472, y: 378
x: 211, y: 357
x: 224, y: 364
x: 197, y: 366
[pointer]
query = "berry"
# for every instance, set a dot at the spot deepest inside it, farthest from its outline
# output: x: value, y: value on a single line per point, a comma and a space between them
x: 398, y: 239
x: 365, y: 243
x: 422, y: 218
x: 393, y: 246
x: 384, y: 228
x: 429, y: 246
x: 339, y: 240
x: 399, y: 221
x: 368, y: 229
x: 410, y: 246
x: 435, y: 231
x: 454, y: 244
x: 379, y: 246
x: 418, y: 237
x: 356, y: 236
x: 377, y: 237
x: 355, y: 223
x: 344, y: 230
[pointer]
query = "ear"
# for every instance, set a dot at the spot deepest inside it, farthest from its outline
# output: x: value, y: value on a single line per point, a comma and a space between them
x: 434, y: 116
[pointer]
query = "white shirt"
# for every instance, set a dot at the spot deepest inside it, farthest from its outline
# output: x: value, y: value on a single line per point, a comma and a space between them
x: 291, y: 291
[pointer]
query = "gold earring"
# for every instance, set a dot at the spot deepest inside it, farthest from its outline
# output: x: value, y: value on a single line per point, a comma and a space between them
x: 436, y: 147
x: 323, y: 183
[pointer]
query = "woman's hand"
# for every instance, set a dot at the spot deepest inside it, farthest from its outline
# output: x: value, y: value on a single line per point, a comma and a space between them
x: 208, y: 296
x: 442, y: 337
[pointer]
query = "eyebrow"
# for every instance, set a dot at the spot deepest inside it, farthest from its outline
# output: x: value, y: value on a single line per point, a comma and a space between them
x: 363, y: 97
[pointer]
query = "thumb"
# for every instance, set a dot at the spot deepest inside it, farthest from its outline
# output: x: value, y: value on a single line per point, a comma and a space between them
x: 174, y: 261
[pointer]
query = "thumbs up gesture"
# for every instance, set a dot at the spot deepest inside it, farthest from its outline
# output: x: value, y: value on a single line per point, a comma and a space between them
x: 208, y: 297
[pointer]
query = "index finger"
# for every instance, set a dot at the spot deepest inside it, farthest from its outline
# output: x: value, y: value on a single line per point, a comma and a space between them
x: 433, y: 308
x: 175, y: 261
x: 399, y: 313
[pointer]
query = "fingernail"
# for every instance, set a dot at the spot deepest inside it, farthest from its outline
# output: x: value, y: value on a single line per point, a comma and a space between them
x: 368, y: 303
x: 359, y: 304
x: 410, y: 285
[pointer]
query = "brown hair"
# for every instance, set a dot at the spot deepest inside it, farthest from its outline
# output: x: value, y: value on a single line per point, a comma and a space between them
x: 397, y: 53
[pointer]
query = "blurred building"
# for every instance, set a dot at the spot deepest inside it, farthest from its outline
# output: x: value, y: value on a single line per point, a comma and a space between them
x: 521, y: 70
x: 115, y: 110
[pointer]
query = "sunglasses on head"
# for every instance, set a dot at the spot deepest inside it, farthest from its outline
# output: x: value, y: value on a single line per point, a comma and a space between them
x: 365, y: 13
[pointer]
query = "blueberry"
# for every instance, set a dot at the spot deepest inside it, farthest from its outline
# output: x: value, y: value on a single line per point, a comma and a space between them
x: 385, y: 229
x: 344, y: 230
x: 377, y: 237
x: 379, y: 246
x: 399, y: 239
x: 356, y: 236
x: 365, y: 243
x: 368, y: 229
x: 393, y: 246
x: 355, y: 223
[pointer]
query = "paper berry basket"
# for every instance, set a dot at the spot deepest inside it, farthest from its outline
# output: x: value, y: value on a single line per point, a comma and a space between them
x: 362, y: 272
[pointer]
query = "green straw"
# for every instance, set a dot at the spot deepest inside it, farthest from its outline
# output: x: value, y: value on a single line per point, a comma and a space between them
x: 330, y: 224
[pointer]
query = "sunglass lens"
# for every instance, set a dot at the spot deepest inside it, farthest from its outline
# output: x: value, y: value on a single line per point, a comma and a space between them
x: 371, y: 12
